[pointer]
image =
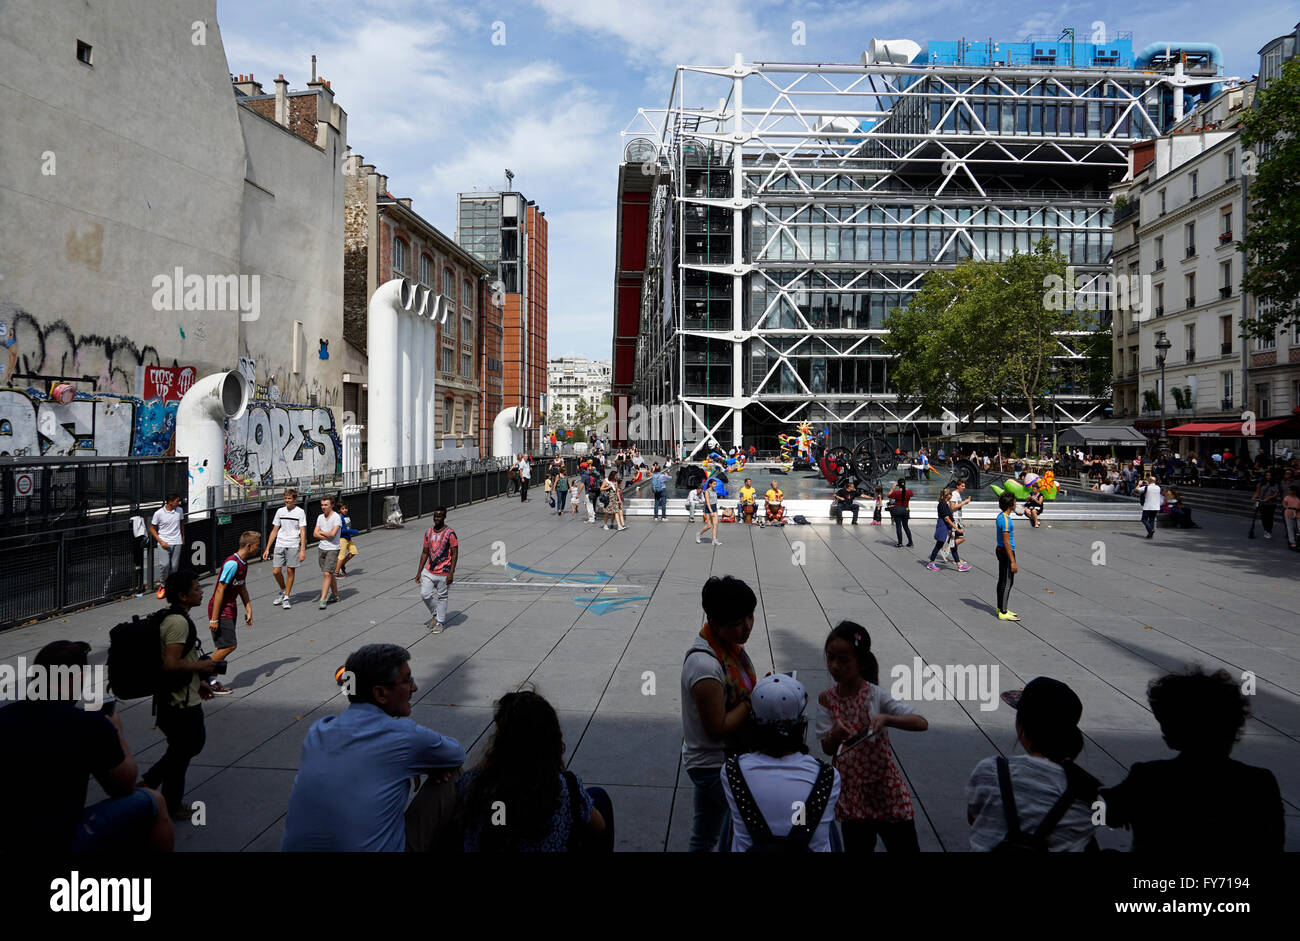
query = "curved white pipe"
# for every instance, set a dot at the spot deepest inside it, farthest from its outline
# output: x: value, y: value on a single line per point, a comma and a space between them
x: 201, y: 432
x: 508, y: 431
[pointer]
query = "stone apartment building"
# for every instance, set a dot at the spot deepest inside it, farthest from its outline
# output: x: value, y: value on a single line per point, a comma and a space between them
x: 385, y: 238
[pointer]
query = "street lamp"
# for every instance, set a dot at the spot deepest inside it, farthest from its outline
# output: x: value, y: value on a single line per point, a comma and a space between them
x: 1054, y: 374
x: 1162, y: 351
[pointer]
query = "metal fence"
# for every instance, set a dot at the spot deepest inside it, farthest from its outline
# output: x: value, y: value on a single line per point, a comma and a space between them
x: 39, y: 494
x: 52, y: 571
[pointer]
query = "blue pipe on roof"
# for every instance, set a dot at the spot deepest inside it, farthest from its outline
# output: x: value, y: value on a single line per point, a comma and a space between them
x: 1143, y: 58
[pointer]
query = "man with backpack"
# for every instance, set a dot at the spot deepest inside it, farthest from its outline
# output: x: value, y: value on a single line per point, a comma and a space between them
x: 180, y: 691
x: 222, y: 608
x: 782, y: 799
x: 592, y: 484
x: 659, y: 487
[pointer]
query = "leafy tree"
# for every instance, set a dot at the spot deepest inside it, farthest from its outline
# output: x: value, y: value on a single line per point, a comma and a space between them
x: 1272, y: 242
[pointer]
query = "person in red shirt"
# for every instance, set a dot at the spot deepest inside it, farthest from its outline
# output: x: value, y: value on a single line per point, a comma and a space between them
x: 899, y: 498
x: 437, y: 568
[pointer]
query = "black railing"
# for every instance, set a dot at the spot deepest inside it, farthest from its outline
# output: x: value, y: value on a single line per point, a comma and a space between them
x: 57, y: 570
x: 39, y: 494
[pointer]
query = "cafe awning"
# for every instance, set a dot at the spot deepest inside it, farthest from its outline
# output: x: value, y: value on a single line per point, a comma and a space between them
x: 1264, y: 428
x: 1097, y: 435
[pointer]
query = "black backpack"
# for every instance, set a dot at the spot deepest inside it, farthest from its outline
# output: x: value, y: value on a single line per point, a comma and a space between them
x: 800, y: 836
x: 1017, y: 840
x: 135, y: 663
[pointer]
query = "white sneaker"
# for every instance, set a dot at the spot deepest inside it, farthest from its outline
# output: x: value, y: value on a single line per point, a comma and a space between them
x: 279, y: 599
x: 1268, y: 535
x: 285, y: 604
x: 697, y: 539
x: 717, y: 542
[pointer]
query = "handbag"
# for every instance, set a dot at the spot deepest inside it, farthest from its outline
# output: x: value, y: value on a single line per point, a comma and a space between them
x: 604, y: 499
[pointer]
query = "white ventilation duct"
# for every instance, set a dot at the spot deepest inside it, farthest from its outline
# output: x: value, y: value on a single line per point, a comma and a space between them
x: 508, y: 431
x: 402, y: 351
x: 892, y: 51
x: 201, y: 433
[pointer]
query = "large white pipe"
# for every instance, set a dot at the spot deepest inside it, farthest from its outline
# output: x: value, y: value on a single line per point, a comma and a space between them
x: 508, y: 431
x: 201, y: 432
x: 400, y: 317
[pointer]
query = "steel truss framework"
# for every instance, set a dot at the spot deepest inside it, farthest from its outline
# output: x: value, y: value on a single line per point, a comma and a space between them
x: 814, y: 198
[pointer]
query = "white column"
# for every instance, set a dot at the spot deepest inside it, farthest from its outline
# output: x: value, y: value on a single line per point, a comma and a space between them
x: 418, y: 391
x: 404, y: 409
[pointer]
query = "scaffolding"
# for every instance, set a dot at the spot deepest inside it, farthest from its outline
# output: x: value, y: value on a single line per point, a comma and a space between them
x: 789, y: 219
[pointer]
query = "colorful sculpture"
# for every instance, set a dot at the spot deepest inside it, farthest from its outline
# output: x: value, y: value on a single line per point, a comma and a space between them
x: 1046, y: 485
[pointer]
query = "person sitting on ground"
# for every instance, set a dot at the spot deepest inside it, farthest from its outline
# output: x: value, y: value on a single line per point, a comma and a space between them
x: 520, y: 799
x: 1179, y: 513
x: 1034, y: 504
x: 747, y: 504
x: 762, y: 785
x: 774, y: 506
x: 64, y: 746
x: 354, y: 775
x: 1044, y: 793
x: 1201, y: 802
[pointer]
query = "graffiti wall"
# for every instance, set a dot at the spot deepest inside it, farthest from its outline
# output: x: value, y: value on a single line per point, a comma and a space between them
x: 31, y: 425
x: 273, y: 441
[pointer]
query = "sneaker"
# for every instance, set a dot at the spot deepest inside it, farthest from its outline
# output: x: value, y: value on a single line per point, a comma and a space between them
x: 285, y: 604
x: 697, y: 539
x: 1008, y: 616
x: 332, y: 599
x: 1268, y: 535
x: 717, y: 542
x: 220, y: 690
x: 340, y: 574
x: 279, y: 599
x: 621, y: 528
x: 964, y: 567
x: 321, y: 606
x: 932, y: 567
x: 161, y: 591
x: 438, y: 628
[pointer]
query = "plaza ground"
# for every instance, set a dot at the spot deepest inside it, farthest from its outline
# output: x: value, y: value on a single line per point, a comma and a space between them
x: 530, y: 604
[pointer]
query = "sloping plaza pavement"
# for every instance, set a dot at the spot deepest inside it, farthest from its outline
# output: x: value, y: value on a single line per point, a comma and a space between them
x: 531, y: 604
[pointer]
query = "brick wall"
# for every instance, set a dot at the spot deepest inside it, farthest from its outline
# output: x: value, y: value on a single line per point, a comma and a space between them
x: 356, y: 255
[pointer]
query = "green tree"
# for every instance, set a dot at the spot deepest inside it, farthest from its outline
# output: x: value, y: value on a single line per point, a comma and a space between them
x: 1272, y: 242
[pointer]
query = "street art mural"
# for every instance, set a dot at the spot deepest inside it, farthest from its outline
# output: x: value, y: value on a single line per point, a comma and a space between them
x: 273, y: 441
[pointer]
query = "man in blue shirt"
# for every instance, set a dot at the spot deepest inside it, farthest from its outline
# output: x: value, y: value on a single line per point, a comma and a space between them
x: 354, y: 776
x: 659, y: 489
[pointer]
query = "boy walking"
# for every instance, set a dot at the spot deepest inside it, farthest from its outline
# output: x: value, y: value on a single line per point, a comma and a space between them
x: 288, y: 540
x: 1006, y: 553
x: 438, y: 568
x: 167, y: 528
x: 222, y: 607
x: 328, y: 525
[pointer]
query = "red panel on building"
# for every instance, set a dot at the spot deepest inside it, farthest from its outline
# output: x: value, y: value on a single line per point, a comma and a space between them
x: 636, y: 214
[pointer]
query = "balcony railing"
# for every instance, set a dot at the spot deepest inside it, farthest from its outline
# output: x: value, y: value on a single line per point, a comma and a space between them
x: 1191, y: 355
x: 1226, y: 236
x: 1225, y: 292
x: 1225, y: 348
x: 1226, y: 404
x: 1160, y: 311
x: 1160, y: 263
x: 1191, y: 252
x: 1191, y: 301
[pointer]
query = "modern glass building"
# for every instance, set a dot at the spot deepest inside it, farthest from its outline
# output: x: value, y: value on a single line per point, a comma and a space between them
x: 782, y: 210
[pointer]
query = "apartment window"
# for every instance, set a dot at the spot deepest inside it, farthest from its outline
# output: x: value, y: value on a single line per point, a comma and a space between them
x: 1194, y: 176
x: 1295, y: 392
x: 1190, y: 278
x: 449, y: 329
x: 425, y: 265
x: 1189, y: 342
x: 399, y: 255
x: 1189, y: 237
x: 1160, y: 300
x: 1160, y: 252
x: 1230, y: 166
x: 1225, y: 279
x: 1262, y: 402
x: 467, y: 365
x: 1227, y: 389
x: 448, y: 363
x: 1225, y: 224
x: 84, y: 53
x: 467, y: 295
x: 448, y: 407
x: 1162, y: 202
x: 1225, y: 334
x: 449, y: 285
x: 466, y: 330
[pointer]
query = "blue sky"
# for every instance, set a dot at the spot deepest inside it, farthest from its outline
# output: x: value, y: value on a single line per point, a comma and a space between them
x: 432, y: 102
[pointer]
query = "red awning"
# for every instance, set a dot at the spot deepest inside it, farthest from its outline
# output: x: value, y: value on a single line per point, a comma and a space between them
x: 1265, y: 428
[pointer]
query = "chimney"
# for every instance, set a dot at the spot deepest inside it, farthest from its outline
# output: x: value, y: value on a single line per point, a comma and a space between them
x: 405, y: 201
x: 324, y: 108
x: 282, y: 101
x: 245, y: 85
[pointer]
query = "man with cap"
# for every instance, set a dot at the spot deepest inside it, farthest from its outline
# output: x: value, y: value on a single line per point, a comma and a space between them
x: 780, y: 791
x: 1051, y: 796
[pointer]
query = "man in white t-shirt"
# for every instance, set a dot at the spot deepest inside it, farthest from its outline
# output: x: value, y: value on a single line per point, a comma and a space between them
x: 1151, y: 501
x: 328, y: 525
x: 288, y: 541
x: 167, y: 528
x: 780, y: 775
x: 525, y: 478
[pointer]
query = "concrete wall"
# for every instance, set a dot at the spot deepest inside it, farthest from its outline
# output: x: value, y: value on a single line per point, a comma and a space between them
x: 119, y: 182
x: 111, y: 175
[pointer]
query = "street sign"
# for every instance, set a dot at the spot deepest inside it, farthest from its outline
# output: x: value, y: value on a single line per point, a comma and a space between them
x: 24, y: 484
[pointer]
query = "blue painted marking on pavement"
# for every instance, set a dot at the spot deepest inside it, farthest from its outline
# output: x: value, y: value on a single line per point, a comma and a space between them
x: 600, y: 576
x: 607, y: 605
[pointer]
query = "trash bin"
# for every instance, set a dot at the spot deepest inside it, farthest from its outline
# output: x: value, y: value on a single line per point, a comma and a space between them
x: 392, y: 512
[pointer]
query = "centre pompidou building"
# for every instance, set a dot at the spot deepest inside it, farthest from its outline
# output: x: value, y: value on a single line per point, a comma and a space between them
x: 773, y: 214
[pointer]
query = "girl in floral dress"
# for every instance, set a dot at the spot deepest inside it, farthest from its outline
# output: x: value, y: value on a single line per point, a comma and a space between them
x: 874, y: 799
